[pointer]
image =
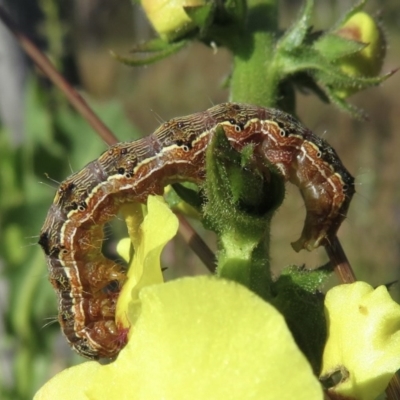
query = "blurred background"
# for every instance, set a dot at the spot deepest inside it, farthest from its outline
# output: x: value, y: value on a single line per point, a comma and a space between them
x: 42, y: 141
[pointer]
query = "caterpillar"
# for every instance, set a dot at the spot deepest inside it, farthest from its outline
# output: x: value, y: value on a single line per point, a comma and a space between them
x: 88, y: 284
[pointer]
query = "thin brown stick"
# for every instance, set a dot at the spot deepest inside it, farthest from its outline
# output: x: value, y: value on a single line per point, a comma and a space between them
x: 393, y: 390
x: 50, y: 71
x: 338, y: 258
x: 196, y: 242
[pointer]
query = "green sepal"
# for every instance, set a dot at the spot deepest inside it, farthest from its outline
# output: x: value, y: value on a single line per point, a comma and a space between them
x: 150, y: 52
x: 296, y: 35
x: 201, y: 16
x: 329, y: 76
x: 333, y: 47
x: 355, y: 9
x: 240, y: 205
x: 341, y: 103
x: 360, y: 83
x: 327, y: 73
x: 296, y: 296
x: 306, y: 83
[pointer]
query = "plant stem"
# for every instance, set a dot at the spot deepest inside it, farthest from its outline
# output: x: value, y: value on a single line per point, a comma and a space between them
x: 255, y: 70
x: 254, y: 80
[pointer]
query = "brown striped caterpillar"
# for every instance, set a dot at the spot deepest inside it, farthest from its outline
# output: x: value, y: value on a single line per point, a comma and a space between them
x: 73, y: 231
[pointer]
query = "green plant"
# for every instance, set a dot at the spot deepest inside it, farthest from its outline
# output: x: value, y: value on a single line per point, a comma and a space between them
x: 268, y: 65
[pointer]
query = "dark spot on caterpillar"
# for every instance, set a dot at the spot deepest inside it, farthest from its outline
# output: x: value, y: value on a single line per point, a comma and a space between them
x: 180, y: 125
x: 112, y: 287
x: 54, y: 252
x: 186, y: 146
x: 281, y: 125
x: 290, y: 130
x: 283, y: 129
x: 121, y: 170
x: 66, y: 189
x: 82, y: 206
x: 238, y: 126
x: 123, y: 151
x: 44, y: 242
x: 348, y: 188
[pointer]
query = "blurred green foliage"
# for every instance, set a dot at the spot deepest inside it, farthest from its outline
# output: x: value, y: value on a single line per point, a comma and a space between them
x: 57, y: 142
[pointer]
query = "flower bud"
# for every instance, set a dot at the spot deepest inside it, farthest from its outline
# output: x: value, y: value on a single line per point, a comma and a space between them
x: 169, y: 18
x: 367, y: 62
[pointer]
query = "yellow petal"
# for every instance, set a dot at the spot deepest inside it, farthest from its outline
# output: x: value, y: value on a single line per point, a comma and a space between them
x: 197, y: 338
x: 363, y: 339
x: 159, y: 226
x: 72, y: 383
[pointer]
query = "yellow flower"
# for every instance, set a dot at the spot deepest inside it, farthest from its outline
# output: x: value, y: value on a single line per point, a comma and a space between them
x: 363, y: 339
x: 193, y: 338
x: 197, y: 338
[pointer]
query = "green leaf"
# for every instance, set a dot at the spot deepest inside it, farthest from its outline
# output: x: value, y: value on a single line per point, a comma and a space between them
x: 9, y: 180
x: 152, y: 46
x: 296, y: 296
x: 310, y: 280
x: 240, y: 205
x: 354, y: 111
x: 228, y: 190
x: 308, y: 60
x: 335, y: 76
x: 141, y: 59
x: 296, y: 35
x: 187, y: 194
x: 329, y: 76
x: 201, y: 16
x: 39, y: 120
